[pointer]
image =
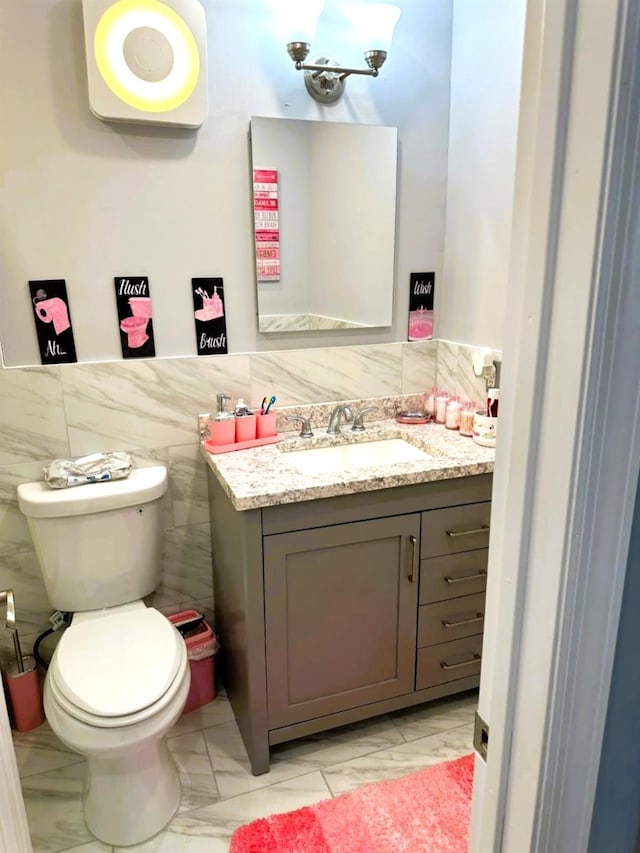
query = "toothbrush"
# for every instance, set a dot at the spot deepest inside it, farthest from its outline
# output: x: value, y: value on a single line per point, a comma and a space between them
x: 269, y: 404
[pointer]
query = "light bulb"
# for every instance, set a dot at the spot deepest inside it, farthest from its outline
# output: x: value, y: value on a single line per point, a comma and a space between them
x: 374, y: 24
x: 296, y: 20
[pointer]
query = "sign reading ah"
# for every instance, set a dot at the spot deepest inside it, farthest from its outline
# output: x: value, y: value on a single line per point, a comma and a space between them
x: 147, y: 61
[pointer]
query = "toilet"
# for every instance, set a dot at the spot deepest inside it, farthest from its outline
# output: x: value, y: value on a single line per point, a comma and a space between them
x: 119, y: 676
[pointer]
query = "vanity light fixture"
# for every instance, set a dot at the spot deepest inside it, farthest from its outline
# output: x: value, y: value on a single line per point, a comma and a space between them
x: 373, y: 24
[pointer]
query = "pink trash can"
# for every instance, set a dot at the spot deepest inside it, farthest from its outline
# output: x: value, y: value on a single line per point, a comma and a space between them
x: 202, y: 646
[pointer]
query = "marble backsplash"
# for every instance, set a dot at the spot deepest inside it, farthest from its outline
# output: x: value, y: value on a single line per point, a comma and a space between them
x: 150, y: 409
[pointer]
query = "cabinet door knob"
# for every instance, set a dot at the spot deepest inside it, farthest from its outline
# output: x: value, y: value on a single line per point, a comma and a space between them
x: 414, y: 559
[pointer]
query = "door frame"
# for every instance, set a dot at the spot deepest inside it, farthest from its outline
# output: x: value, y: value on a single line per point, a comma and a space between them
x: 566, y: 469
x: 14, y: 829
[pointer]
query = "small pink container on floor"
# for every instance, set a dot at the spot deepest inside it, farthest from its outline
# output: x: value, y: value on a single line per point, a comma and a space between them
x: 266, y: 424
x: 24, y: 695
x: 245, y: 428
x: 202, y: 646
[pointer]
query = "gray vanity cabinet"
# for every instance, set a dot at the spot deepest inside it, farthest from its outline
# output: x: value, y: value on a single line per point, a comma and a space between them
x: 333, y: 610
x: 340, y: 605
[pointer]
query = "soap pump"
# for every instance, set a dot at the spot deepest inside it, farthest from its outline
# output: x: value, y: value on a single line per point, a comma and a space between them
x: 222, y: 427
x: 221, y: 413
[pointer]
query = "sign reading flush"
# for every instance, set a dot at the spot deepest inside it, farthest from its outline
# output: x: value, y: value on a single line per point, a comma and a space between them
x: 134, y: 316
x: 147, y: 61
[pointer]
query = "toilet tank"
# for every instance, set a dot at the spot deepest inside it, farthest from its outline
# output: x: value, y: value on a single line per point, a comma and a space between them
x: 99, y: 544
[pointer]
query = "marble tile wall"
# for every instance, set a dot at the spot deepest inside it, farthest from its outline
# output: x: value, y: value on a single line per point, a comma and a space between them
x: 150, y: 408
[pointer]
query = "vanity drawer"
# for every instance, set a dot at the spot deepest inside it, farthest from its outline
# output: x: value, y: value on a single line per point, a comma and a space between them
x: 448, y: 661
x: 450, y: 620
x: 455, y: 528
x: 452, y: 576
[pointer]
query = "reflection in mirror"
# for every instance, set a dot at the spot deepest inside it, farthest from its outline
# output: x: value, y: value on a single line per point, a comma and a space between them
x: 325, y: 260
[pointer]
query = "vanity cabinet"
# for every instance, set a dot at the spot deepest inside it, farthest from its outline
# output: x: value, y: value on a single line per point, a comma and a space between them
x: 338, y: 609
x: 340, y: 606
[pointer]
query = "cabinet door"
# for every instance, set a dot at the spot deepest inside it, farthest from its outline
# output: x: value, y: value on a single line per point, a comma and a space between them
x: 340, y: 616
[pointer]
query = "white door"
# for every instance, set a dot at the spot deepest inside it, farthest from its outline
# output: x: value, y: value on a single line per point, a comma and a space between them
x: 14, y: 831
x: 568, y: 458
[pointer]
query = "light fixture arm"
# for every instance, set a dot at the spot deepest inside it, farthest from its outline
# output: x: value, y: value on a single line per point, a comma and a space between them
x: 342, y: 73
x: 324, y: 78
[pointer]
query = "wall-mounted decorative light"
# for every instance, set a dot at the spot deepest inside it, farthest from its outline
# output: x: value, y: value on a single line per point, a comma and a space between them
x: 373, y: 24
x: 147, y: 60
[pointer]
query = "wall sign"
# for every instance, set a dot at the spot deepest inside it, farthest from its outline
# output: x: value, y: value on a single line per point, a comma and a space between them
x: 53, y: 321
x: 208, y: 313
x: 421, y: 288
x: 134, y: 316
x: 266, y: 224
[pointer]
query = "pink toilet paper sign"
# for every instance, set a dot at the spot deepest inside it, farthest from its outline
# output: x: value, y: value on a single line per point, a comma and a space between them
x: 421, y: 292
x: 53, y: 321
x: 135, y: 316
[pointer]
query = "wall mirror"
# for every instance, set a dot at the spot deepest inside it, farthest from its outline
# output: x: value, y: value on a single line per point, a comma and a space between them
x: 324, y: 199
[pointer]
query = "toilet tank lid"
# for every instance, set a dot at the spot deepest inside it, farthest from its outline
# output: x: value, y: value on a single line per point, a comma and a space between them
x: 38, y: 500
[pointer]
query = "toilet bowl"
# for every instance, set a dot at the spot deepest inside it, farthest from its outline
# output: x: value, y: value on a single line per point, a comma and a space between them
x: 135, y: 329
x: 119, y: 677
x: 117, y: 682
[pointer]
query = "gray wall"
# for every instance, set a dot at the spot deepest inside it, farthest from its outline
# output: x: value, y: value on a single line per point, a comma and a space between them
x: 87, y: 201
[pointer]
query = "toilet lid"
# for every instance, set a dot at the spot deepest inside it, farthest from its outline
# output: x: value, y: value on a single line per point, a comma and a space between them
x: 119, y: 663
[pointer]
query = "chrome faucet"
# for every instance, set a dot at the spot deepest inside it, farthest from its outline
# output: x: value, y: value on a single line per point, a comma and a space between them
x: 334, y: 421
x: 358, y: 423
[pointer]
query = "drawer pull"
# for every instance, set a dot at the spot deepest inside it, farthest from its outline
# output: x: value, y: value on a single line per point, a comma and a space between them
x: 414, y: 559
x: 477, y: 618
x: 481, y: 574
x: 454, y: 533
x: 476, y: 657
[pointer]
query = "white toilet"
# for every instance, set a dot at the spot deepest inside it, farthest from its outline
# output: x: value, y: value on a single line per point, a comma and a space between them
x: 119, y: 677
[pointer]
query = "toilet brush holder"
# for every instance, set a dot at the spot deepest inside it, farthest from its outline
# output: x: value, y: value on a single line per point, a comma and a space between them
x: 24, y: 694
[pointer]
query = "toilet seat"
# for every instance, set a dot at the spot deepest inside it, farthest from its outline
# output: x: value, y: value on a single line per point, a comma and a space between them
x: 119, y: 668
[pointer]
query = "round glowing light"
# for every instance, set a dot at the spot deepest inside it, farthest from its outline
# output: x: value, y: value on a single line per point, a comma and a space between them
x: 122, y: 22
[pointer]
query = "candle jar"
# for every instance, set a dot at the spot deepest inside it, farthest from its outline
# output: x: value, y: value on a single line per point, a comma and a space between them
x: 452, y: 414
x: 467, y: 414
x: 441, y: 409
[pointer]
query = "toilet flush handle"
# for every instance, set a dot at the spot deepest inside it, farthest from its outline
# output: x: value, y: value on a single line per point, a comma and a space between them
x: 6, y: 597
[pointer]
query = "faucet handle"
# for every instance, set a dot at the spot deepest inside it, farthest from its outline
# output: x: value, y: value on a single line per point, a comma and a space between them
x: 305, y: 430
x: 358, y: 423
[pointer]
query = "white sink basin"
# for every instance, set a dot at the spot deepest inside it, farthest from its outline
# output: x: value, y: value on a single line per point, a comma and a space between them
x: 344, y: 457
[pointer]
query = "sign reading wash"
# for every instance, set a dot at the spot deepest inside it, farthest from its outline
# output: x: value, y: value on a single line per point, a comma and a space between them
x: 53, y: 321
x: 134, y: 316
x: 421, y: 292
x: 209, y: 318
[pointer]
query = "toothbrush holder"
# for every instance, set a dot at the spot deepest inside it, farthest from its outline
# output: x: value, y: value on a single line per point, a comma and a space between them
x: 266, y: 424
x: 245, y: 428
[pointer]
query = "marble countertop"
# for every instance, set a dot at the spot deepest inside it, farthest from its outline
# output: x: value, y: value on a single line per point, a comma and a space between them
x: 268, y: 476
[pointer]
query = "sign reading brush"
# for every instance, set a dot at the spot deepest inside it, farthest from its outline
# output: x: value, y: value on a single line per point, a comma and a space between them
x: 135, y: 316
x: 208, y: 314
x: 421, y: 287
x: 53, y: 321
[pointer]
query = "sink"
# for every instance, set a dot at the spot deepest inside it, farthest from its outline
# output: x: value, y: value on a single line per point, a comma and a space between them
x: 344, y: 457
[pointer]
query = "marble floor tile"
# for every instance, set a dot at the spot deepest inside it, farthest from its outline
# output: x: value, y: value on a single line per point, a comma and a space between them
x: 209, y: 830
x: 53, y: 802
x: 231, y: 763
x: 32, y: 760
x: 199, y: 787
x: 41, y: 738
x: 399, y: 761
x: 91, y: 847
x: 438, y: 716
x: 214, y: 714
